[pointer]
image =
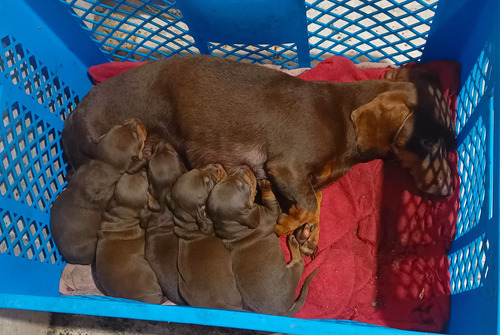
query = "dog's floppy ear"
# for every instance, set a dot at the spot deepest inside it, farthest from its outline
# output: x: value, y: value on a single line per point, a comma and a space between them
x: 135, y: 165
x: 251, y: 218
x: 377, y: 122
x: 204, y: 223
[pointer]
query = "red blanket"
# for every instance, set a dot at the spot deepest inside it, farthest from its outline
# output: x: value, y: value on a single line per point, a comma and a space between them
x: 382, y: 248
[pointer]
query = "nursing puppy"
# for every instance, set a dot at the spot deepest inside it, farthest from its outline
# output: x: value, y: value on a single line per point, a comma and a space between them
x: 77, y: 212
x: 165, y: 166
x: 206, y: 277
x: 266, y: 283
x: 120, y: 266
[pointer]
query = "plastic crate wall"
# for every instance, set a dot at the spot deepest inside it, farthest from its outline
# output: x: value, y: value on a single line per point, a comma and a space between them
x: 384, y: 30
x: 43, y: 64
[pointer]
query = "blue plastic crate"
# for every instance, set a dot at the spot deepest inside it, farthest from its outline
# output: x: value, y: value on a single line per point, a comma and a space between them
x: 47, y: 46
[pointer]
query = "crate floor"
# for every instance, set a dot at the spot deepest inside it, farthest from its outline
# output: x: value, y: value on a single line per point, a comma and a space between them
x: 44, y: 323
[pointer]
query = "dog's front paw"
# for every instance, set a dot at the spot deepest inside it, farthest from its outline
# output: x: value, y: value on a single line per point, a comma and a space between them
x: 309, y: 249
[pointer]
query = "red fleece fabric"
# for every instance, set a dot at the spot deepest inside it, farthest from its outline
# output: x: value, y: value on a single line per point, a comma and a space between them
x: 382, y: 251
x: 101, y: 72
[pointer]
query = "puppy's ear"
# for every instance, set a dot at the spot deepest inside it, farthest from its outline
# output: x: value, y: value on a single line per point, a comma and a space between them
x: 377, y: 122
x: 204, y: 223
x: 135, y: 165
x: 144, y: 217
x: 251, y: 219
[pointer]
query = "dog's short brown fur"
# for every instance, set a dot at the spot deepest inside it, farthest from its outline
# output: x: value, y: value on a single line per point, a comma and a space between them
x: 266, y: 283
x: 164, y: 167
x: 120, y: 266
x: 206, y: 277
x: 301, y: 135
x: 77, y: 212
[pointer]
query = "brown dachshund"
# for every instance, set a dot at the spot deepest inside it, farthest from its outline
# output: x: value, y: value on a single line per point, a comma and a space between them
x: 301, y: 135
x: 266, y: 283
x: 206, y: 277
x: 120, y: 266
x: 77, y: 212
x: 165, y: 166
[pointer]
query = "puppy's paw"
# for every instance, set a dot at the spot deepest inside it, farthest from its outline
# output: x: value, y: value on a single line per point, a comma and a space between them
x: 307, y: 236
x: 294, y: 247
x: 264, y: 184
x: 292, y: 242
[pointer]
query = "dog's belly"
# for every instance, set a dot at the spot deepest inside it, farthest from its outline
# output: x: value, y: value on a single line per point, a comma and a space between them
x: 229, y: 155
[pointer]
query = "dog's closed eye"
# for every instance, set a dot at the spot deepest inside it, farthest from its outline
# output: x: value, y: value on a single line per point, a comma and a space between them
x: 428, y: 144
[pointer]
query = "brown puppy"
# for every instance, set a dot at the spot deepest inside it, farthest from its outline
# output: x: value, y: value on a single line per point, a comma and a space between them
x: 120, y: 266
x: 165, y: 166
x: 206, y: 277
x: 76, y: 214
x: 301, y: 135
x: 266, y: 283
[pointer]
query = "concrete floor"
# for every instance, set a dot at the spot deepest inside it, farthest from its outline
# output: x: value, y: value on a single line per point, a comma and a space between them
x: 42, y: 323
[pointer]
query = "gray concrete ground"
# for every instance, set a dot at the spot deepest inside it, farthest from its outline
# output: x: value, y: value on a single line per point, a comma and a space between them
x: 42, y: 323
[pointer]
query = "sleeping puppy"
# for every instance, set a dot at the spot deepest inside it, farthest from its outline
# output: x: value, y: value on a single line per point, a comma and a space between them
x: 164, y: 167
x: 206, y: 277
x: 266, y: 283
x: 77, y: 212
x: 120, y: 267
x: 301, y: 135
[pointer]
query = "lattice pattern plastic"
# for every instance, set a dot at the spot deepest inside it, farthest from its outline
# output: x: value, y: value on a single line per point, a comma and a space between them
x: 469, y: 266
x: 26, y: 238
x: 134, y: 29
x: 472, y: 169
x: 472, y: 151
x: 477, y: 84
x: 388, y: 30
x: 32, y: 169
x: 284, y: 55
x: 36, y: 80
x: 392, y: 31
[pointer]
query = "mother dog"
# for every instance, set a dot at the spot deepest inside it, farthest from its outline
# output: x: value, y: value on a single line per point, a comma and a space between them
x: 301, y: 135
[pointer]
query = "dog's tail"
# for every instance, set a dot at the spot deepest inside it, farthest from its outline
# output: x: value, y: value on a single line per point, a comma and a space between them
x: 297, y: 305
